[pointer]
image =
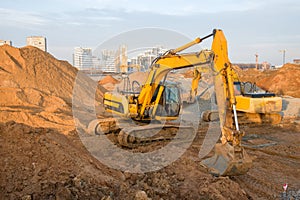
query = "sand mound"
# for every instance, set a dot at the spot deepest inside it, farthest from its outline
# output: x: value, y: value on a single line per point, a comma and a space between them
x: 251, y: 75
x: 108, y: 82
x: 108, y: 79
x: 284, y: 81
x: 41, y: 163
x: 37, y: 89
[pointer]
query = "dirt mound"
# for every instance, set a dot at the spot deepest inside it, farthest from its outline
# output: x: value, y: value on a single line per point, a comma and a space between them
x: 37, y: 89
x: 41, y: 163
x: 251, y: 75
x: 108, y: 82
x: 284, y: 81
x: 108, y: 79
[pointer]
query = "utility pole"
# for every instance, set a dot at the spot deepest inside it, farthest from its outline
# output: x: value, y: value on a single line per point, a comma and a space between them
x: 256, y: 61
x: 283, y: 56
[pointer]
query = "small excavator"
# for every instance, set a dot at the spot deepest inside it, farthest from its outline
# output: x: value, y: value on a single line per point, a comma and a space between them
x: 158, y: 104
x: 253, y: 104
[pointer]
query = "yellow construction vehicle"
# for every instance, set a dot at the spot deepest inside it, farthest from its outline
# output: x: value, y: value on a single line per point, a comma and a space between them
x: 159, y: 101
x: 253, y: 104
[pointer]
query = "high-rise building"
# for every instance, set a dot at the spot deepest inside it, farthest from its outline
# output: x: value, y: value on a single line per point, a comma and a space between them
x: 96, y: 62
x: 110, y: 64
x: 117, y: 60
x: 37, y: 41
x: 146, y: 58
x: 2, y: 42
x: 83, y: 58
x: 109, y: 60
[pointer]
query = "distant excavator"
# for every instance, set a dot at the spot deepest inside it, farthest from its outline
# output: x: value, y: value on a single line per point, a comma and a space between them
x: 159, y: 101
x: 253, y: 104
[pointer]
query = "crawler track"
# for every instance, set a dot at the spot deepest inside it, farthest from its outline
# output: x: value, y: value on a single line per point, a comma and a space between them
x: 131, y: 135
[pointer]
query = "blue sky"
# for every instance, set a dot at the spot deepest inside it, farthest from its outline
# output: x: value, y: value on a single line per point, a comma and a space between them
x: 250, y: 26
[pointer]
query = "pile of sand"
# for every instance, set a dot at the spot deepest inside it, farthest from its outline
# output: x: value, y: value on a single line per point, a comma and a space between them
x: 42, y: 163
x: 36, y: 89
x: 108, y: 79
x: 108, y: 82
x: 283, y: 81
x: 251, y: 75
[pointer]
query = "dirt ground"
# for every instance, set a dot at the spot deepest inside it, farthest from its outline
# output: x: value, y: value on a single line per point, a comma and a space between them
x: 277, y: 161
x: 40, y: 163
x: 42, y: 155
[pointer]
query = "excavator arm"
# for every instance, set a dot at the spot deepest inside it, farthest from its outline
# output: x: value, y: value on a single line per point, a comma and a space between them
x: 230, y: 158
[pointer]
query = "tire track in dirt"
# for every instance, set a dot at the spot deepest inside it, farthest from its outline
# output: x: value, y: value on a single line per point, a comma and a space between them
x: 273, y: 166
x: 256, y: 187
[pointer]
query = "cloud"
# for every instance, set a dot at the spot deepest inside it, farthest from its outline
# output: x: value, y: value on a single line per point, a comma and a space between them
x: 245, y: 22
x: 21, y: 18
x: 37, y: 19
x: 175, y: 7
x: 87, y: 17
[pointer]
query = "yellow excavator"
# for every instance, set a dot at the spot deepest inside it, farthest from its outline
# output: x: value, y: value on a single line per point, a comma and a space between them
x: 253, y: 104
x: 159, y: 101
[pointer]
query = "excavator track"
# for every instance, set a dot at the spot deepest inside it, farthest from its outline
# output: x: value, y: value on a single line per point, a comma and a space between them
x: 260, y: 118
x: 102, y: 126
x: 131, y: 135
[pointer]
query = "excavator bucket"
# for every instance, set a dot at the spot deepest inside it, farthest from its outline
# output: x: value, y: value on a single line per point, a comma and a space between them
x: 227, y: 161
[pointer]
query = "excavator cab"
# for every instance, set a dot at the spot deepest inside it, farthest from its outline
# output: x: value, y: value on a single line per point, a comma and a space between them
x: 238, y: 89
x: 252, y: 90
x: 170, y: 102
